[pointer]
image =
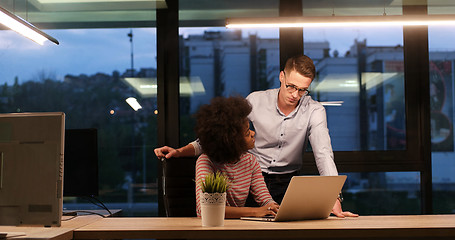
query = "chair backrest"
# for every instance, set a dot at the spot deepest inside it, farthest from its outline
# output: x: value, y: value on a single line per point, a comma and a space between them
x: 179, y: 189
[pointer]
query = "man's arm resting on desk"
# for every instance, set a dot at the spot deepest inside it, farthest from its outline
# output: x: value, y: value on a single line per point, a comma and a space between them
x: 338, y: 211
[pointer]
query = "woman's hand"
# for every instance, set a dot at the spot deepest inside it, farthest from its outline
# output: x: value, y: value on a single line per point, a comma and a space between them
x: 237, y: 212
x: 269, y: 209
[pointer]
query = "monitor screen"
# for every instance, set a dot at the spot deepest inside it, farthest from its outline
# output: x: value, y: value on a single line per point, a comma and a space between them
x: 81, y: 163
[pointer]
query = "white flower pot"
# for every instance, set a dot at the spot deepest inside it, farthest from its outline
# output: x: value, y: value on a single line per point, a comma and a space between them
x: 212, y: 209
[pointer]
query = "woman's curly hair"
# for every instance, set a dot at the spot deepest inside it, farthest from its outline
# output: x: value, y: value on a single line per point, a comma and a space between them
x: 220, y: 128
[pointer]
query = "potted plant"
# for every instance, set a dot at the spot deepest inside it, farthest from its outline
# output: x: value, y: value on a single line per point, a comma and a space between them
x: 213, y: 199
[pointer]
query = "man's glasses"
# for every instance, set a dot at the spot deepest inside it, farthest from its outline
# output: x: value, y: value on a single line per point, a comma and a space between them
x: 292, y: 88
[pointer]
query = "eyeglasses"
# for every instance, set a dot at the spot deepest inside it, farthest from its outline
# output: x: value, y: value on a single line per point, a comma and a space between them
x: 292, y: 88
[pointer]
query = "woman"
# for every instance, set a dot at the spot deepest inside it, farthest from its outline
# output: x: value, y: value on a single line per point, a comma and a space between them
x: 224, y: 134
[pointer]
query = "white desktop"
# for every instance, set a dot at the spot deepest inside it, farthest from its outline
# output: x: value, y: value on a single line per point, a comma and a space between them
x: 31, y: 168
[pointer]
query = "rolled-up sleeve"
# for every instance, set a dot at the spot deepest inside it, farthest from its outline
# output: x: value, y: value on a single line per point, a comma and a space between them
x: 197, y: 147
x: 319, y: 137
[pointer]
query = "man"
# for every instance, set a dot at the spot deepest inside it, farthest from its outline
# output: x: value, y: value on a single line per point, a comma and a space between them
x: 284, y: 119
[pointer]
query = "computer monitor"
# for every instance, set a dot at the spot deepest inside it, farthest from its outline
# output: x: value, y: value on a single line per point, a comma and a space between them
x: 31, y: 168
x: 81, y: 163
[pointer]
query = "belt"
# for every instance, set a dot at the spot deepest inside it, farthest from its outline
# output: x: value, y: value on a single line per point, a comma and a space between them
x: 276, y: 175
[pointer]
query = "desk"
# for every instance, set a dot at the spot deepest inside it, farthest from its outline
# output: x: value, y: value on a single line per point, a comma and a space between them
x: 65, y: 232
x: 377, y: 227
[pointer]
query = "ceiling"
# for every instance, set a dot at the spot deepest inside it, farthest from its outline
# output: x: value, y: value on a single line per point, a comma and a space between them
x: 142, y: 13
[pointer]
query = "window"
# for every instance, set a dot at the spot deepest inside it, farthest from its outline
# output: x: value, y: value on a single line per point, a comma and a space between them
x: 224, y: 63
x: 442, y: 59
x: 89, y: 76
x: 373, y: 193
x: 360, y: 81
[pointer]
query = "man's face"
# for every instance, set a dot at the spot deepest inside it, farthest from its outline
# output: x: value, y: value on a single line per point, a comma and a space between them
x: 293, y: 86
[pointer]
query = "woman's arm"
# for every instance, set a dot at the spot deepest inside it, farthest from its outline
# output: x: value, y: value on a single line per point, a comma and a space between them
x: 258, y: 188
x: 260, y: 193
x: 237, y: 212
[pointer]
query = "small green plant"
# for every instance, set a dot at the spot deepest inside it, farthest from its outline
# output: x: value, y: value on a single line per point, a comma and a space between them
x: 215, y: 183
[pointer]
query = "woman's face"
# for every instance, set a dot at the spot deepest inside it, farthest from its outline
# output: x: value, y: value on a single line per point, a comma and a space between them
x: 249, y: 135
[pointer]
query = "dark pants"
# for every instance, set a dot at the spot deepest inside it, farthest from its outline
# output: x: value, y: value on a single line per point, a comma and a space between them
x: 277, y: 185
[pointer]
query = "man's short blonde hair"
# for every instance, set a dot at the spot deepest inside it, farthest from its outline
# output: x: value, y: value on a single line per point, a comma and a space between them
x: 302, y: 64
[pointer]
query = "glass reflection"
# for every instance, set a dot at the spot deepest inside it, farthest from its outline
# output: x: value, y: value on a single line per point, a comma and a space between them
x: 442, y: 59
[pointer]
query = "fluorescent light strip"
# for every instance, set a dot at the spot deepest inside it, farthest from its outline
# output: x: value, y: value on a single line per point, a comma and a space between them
x: 341, y: 21
x: 24, y: 28
x: 332, y: 103
x: 92, y: 1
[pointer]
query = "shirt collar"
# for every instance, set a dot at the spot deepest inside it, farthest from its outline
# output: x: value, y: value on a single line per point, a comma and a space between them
x: 302, y: 102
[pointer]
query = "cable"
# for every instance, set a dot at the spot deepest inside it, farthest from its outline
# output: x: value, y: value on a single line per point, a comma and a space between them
x: 103, y: 206
x: 99, y: 203
x: 91, y: 212
x: 72, y: 217
x: 84, y: 211
x: 89, y: 198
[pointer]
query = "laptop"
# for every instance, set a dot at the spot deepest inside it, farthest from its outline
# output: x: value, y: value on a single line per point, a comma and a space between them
x: 307, y: 197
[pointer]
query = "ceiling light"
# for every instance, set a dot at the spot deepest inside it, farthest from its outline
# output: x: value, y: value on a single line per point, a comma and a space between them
x: 147, y: 87
x: 332, y: 103
x: 92, y: 1
x: 23, y: 27
x: 134, y: 104
x: 341, y: 21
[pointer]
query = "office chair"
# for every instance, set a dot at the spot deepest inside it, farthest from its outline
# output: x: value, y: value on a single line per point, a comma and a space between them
x: 179, y: 189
